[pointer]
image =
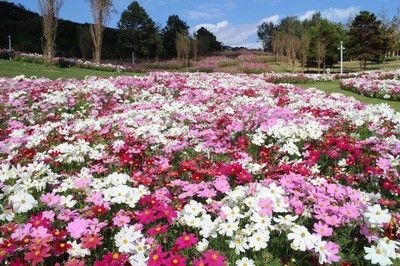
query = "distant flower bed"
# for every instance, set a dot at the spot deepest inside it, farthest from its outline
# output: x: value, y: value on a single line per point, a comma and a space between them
x: 378, y: 88
x: 60, y: 61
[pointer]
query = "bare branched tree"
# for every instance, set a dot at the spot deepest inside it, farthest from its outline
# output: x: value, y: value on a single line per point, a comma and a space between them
x: 182, y: 43
x: 303, y: 50
x: 292, y: 45
x: 50, y: 10
x: 101, y: 10
x: 320, y: 52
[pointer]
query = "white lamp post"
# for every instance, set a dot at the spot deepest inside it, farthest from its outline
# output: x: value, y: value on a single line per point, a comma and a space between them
x: 9, y: 42
x: 341, y: 48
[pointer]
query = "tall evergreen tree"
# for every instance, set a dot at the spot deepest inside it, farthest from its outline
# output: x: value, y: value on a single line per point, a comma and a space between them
x: 264, y: 33
x: 367, y: 38
x: 138, y: 32
x: 206, y: 41
x: 174, y: 26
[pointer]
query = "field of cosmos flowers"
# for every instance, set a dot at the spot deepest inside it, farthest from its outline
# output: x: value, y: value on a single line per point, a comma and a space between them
x: 195, y: 169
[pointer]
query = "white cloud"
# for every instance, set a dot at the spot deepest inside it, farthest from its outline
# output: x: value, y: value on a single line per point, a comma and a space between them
x: 340, y: 15
x: 332, y: 13
x: 241, y: 35
x: 307, y: 15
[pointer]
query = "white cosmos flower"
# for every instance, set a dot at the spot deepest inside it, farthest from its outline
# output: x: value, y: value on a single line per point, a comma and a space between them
x: 228, y: 228
x: 389, y: 246
x: 302, y: 239
x: 245, y: 262
x: 193, y: 207
x: 22, y: 201
x: 202, y: 245
x: 67, y: 201
x: 259, y: 240
x: 77, y: 251
x: 239, y: 243
x: 376, y: 215
x: 377, y: 255
x: 126, y: 239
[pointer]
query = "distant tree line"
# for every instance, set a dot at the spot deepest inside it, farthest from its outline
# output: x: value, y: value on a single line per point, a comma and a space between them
x: 137, y: 35
x: 315, y: 41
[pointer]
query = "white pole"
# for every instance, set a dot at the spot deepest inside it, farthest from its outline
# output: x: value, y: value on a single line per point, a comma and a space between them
x: 133, y: 57
x: 341, y: 57
x: 9, y: 42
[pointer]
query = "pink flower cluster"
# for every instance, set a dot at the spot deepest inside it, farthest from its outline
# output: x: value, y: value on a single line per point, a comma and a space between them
x: 194, y: 169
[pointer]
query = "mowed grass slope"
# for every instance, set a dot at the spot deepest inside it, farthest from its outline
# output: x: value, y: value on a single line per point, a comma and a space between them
x: 334, y: 87
x: 9, y: 68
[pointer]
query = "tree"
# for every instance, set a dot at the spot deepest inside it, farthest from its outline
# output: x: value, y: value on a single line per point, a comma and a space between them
x: 206, y: 41
x: 100, y: 11
x: 320, y: 51
x: 50, y: 10
x: 84, y: 40
x: 292, y: 44
x: 265, y: 32
x: 174, y: 26
x: 304, y: 49
x: 182, y: 44
x: 138, y: 31
x: 367, y: 38
x: 332, y: 33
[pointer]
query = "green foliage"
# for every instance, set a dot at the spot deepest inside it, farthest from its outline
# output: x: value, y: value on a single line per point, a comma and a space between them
x: 367, y: 38
x: 138, y: 32
x: 206, y: 41
x: 25, y: 29
x: 169, y: 34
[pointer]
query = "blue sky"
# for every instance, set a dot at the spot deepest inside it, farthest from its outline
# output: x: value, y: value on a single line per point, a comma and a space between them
x: 234, y: 22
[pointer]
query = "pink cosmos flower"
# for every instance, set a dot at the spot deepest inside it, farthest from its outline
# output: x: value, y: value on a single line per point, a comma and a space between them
x: 333, y: 250
x: 121, y: 219
x: 322, y: 229
x: 37, y: 255
x: 186, y: 241
x: 77, y: 228
x: 213, y: 257
x: 221, y: 184
x: 50, y: 199
x: 266, y: 207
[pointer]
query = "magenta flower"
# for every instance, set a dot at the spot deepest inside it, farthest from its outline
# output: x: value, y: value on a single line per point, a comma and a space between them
x: 186, y: 241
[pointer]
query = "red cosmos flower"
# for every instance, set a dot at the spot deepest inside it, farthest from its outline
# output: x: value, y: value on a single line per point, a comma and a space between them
x: 28, y: 153
x: 197, y: 177
x: 3, y: 253
x: 176, y: 260
x: 59, y: 234
x: 167, y: 212
x: 91, y: 241
x: 158, y: 229
x: 8, y: 228
x: 39, y: 220
x: 242, y: 142
x: 37, y: 255
x: 186, y: 241
x: 157, y: 257
x: 199, y: 262
x: 213, y: 257
x: 8, y: 245
x: 61, y: 247
x: 125, y: 158
x: 145, y: 217
x: 112, y: 259
x: 18, y: 262
x: 99, y: 209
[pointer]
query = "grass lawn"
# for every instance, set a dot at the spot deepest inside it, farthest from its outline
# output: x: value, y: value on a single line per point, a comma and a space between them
x: 333, y: 86
x: 14, y: 68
